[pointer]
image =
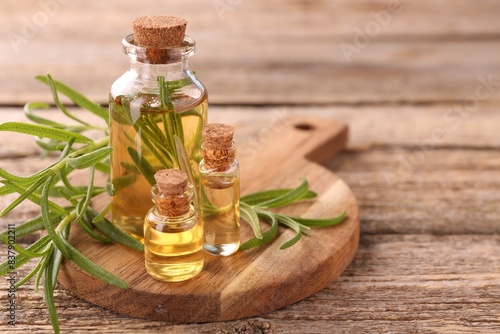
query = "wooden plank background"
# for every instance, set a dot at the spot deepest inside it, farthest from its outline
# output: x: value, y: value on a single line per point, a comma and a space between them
x: 429, y: 255
x: 257, y: 52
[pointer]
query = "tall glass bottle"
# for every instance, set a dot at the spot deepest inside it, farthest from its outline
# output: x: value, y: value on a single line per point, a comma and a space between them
x: 173, y: 233
x: 157, y: 98
x: 220, y: 191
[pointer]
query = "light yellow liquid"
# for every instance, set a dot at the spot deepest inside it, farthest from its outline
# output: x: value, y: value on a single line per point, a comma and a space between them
x: 173, y: 251
x: 221, y: 214
x: 132, y: 198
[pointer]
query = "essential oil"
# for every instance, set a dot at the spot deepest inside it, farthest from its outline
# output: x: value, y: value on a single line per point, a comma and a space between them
x: 220, y: 191
x: 157, y: 99
x: 131, y: 200
x: 173, y: 233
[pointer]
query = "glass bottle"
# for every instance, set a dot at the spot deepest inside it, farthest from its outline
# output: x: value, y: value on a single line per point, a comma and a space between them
x: 173, y: 233
x: 144, y: 120
x: 220, y: 191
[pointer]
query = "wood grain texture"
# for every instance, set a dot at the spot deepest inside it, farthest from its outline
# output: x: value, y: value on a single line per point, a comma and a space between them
x: 428, y: 255
x: 248, y: 283
x: 287, y: 52
x: 447, y: 284
x: 429, y: 250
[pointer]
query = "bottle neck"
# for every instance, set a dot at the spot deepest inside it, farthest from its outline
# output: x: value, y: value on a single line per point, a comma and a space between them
x: 174, y: 219
x: 150, y: 62
x: 171, y: 72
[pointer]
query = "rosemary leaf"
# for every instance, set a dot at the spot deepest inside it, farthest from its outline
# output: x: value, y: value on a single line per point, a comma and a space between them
x: 50, y: 145
x: 103, y: 166
x: 4, y: 190
x: 48, y: 292
x: 58, y: 256
x: 93, y: 269
x: 287, y: 198
x: 250, y: 216
x: 103, y: 213
x: 23, y: 196
x: 169, y: 131
x: 35, y: 198
x: 44, y: 131
x: 121, y: 113
x: 68, y: 187
x: 165, y: 99
x: 178, y: 125
x: 110, y: 230
x: 44, y: 261
x: 321, y: 222
x: 164, y: 143
x: 143, y: 165
x: 89, y: 159
x: 120, y: 183
x: 55, y: 96
x: 28, y: 112
x: 77, y: 97
x: 37, y: 246
x: 267, y: 237
x: 178, y: 84
x: 24, y: 179
x: 185, y: 165
x: 267, y: 195
x: 84, y: 204
x: 67, y: 149
x: 159, y: 151
x: 20, y: 250
x: 29, y: 227
x: 293, y: 225
x: 32, y: 273
x: 130, y: 167
x: 54, y: 236
x: 87, y: 227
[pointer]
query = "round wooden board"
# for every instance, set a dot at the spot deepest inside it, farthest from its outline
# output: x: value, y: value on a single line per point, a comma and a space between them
x: 251, y: 282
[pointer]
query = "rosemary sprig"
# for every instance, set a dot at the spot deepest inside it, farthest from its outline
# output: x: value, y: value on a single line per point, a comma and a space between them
x: 77, y: 151
x: 254, y: 208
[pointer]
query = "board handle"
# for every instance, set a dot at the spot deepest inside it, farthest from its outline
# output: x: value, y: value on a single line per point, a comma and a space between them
x: 316, y: 139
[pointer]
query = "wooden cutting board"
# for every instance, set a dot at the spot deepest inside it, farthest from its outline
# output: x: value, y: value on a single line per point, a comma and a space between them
x: 251, y: 282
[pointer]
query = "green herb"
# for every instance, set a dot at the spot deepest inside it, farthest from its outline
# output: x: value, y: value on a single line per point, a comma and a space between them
x: 77, y: 151
x: 254, y: 207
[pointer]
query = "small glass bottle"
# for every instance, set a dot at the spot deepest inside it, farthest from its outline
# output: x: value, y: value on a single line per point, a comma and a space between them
x: 220, y: 190
x: 173, y: 233
x: 142, y: 125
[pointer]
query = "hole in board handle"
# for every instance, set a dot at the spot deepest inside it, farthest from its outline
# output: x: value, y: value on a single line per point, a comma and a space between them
x: 304, y: 127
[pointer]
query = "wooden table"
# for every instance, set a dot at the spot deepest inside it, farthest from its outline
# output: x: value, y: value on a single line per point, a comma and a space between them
x: 418, y: 85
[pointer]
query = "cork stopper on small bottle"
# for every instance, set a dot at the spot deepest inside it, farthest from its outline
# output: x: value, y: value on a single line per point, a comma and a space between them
x: 172, y: 184
x: 159, y: 32
x: 218, y: 147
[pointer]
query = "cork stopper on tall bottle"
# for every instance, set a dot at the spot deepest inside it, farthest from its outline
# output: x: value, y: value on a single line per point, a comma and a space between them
x: 172, y: 200
x: 159, y: 33
x: 218, y: 148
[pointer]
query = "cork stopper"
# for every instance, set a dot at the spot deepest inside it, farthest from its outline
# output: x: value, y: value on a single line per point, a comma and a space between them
x: 218, y: 147
x: 159, y: 32
x: 172, y: 185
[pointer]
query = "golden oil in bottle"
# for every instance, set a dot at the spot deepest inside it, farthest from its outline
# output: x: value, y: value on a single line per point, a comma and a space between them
x: 131, y: 200
x: 158, y: 98
x: 173, y: 233
x: 173, y: 249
